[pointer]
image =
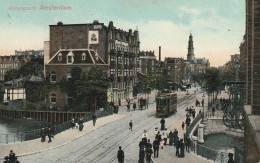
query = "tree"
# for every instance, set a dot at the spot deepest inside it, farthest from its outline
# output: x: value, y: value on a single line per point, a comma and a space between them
x: 36, y: 91
x: 87, y: 89
x: 11, y: 75
x: 213, y: 80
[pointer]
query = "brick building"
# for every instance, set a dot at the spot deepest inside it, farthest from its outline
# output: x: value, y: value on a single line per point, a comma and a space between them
x: 116, y: 47
x: 174, y: 69
x: 60, y: 66
x: 146, y: 63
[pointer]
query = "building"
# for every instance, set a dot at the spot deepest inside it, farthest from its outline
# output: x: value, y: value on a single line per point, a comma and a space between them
x: 60, y: 66
x: 174, y: 69
x: 116, y: 47
x: 10, y: 62
x: 36, y: 53
x: 146, y: 63
x: 249, y: 61
x: 190, y: 55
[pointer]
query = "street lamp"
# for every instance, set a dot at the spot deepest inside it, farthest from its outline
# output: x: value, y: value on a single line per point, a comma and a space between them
x: 203, y: 114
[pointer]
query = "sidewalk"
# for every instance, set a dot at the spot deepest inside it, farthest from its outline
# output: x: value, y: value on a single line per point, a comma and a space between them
x: 36, y: 146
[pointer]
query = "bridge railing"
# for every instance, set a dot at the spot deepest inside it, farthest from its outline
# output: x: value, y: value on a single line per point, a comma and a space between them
x: 35, y: 134
x: 193, y: 123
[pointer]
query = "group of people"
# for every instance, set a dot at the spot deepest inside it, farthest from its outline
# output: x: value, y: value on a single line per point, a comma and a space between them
x: 46, y: 132
x: 80, y: 124
x: 129, y: 105
x: 11, y: 158
x: 191, y: 112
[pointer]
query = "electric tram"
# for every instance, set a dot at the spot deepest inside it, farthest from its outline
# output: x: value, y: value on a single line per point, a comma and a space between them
x: 166, y: 103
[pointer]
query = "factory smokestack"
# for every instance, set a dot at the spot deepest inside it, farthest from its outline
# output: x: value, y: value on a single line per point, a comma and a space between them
x: 159, y: 54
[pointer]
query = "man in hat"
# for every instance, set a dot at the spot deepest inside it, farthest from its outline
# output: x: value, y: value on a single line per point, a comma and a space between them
x: 120, y: 155
x: 171, y: 137
x: 162, y: 123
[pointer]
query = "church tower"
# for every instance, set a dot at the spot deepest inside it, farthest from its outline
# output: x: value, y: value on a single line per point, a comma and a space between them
x: 190, y: 55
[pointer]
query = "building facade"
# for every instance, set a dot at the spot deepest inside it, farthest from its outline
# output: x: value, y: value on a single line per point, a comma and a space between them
x: 146, y: 63
x: 60, y: 66
x: 118, y: 48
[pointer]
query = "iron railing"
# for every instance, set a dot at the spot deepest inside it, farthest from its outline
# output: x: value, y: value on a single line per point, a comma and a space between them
x: 35, y: 134
x: 193, y: 123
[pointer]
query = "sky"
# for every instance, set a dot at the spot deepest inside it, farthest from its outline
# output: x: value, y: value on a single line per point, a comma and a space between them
x: 217, y: 26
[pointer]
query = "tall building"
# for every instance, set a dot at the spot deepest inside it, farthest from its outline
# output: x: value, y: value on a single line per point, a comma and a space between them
x: 146, y: 63
x: 190, y: 55
x: 116, y: 47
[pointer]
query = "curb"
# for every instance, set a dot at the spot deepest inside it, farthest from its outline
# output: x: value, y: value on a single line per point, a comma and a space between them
x: 26, y: 154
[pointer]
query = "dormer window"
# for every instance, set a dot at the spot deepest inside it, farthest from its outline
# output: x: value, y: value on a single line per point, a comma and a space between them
x: 60, y: 57
x: 83, y: 56
x: 70, y: 58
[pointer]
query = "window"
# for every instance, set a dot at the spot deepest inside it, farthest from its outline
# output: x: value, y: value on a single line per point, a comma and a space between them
x: 53, y: 99
x: 68, y: 76
x: 119, y: 60
x: 169, y: 67
x: 53, y: 77
x: 125, y: 72
x: 70, y: 58
x: 131, y: 72
x: 112, y: 71
x: 83, y: 56
x: 125, y: 60
x: 60, y: 57
x: 119, y: 72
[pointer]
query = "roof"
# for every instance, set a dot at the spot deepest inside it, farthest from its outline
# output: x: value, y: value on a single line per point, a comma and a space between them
x: 31, y: 78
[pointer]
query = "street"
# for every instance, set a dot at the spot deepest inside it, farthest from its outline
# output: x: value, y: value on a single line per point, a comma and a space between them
x: 101, y: 145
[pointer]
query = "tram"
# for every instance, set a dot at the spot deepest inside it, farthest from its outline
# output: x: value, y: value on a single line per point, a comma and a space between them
x: 166, y: 103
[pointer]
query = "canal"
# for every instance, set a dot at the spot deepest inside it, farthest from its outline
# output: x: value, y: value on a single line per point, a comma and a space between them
x: 16, y: 129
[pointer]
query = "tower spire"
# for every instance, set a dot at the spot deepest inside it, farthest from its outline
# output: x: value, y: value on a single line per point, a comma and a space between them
x: 190, y: 55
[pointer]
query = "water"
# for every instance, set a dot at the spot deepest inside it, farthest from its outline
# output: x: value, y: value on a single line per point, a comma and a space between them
x: 221, y: 143
x: 11, y: 129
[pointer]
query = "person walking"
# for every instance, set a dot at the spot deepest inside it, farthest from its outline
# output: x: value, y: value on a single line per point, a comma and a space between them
x: 130, y: 125
x: 175, y: 135
x: 187, y: 144
x: 164, y: 137
x: 134, y: 106
x: 43, y: 134
x: 148, y: 144
x: 12, y: 157
x: 94, y: 118
x: 193, y: 113
x: 120, y: 155
x: 182, y: 125
x: 182, y: 148
x: 141, y: 155
x: 148, y: 153
x: 128, y: 107
x: 144, y: 137
x: 50, y: 134
x: 171, y: 138
x: 156, y: 145
x: 162, y: 124
x: 141, y: 144
x: 158, y: 136
x: 178, y: 148
x: 81, y: 124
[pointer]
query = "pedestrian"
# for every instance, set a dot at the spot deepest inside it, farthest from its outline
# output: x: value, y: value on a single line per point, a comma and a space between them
x: 134, y: 106
x: 156, y: 131
x: 188, y: 121
x: 141, y: 155
x: 190, y: 110
x: 50, y: 135
x: 158, y: 136
x: 144, y: 137
x: 43, y: 134
x: 213, y: 111
x: 182, y: 148
x: 156, y: 145
x: 187, y: 144
x: 94, y: 118
x: 128, y: 107
x: 164, y: 137
x: 149, y: 153
x: 175, y: 135
x: 162, y: 143
x: 182, y: 125
x: 176, y: 141
x: 119, y: 102
x: 148, y: 144
x: 193, y: 113
x: 120, y: 155
x: 81, y: 124
x: 171, y: 138
x: 72, y: 123
x: 12, y: 158
x: 141, y: 144
x: 130, y: 125
x: 178, y: 148
x: 230, y: 157
x: 162, y: 123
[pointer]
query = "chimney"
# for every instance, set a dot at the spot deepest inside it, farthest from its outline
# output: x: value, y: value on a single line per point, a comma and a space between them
x: 159, y: 54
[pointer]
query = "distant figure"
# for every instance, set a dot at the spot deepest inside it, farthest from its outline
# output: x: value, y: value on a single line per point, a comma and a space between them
x: 144, y: 137
x: 178, y: 148
x: 182, y: 148
x: 131, y: 125
x: 120, y: 155
x: 162, y: 124
x: 149, y: 153
x: 187, y: 144
x: 43, y: 134
x: 73, y: 124
x: 128, y: 107
x: 81, y: 124
x: 119, y: 102
x: 50, y: 134
x: 156, y: 131
x: 182, y: 125
x: 230, y: 158
x: 171, y: 138
x: 148, y: 144
x: 12, y: 158
x: 134, y: 106
x: 164, y: 137
x: 94, y: 118
x: 175, y: 135
x: 141, y: 155
x: 193, y: 113
x: 156, y: 145
x: 162, y: 143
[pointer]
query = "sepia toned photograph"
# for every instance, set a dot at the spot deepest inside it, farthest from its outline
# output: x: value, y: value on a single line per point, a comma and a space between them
x: 130, y: 81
